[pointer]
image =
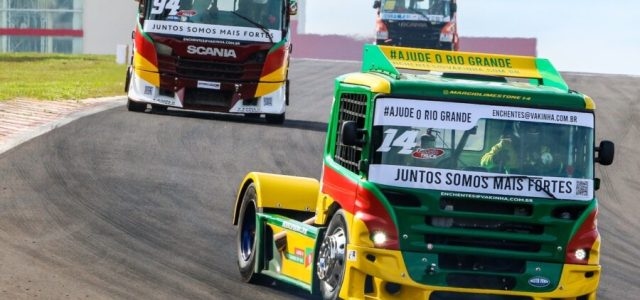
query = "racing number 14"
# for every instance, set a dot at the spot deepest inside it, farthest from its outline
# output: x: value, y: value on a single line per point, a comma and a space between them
x: 407, y: 141
x: 159, y: 6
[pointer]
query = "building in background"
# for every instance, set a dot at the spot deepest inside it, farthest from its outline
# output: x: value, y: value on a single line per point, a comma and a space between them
x: 66, y: 26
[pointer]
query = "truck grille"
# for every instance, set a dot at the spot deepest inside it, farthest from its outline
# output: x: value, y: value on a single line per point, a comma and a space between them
x: 420, y: 37
x: 209, y: 70
x: 461, y: 226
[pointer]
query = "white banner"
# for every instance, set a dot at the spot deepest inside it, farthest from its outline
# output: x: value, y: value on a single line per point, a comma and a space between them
x: 221, y: 32
x: 463, y: 116
x: 414, y: 17
x: 482, y: 183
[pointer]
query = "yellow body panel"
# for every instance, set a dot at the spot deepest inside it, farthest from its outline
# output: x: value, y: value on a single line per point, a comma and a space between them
x: 272, y: 82
x: 589, y: 103
x: 377, y: 84
x: 594, y: 253
x: 322, y: 208
x: 280, y: 191
x: 298, y: 257
x: 461, y: 62
x: 145, y: 69
x: 142, y: 63
x: 389, y: 267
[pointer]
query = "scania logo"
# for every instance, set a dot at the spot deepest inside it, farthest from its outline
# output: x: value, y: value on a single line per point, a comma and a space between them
x: 539, y: 282
x: 216, y: 52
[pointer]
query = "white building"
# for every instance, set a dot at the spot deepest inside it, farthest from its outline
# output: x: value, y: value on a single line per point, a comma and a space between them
x: 66, y: 26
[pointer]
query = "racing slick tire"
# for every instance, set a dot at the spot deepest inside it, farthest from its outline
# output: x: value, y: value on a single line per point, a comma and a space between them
x: 275, y: 118
x: 331, y: 263
x: 136, y: 106
x: 246, y: 236
x: 158, y: 108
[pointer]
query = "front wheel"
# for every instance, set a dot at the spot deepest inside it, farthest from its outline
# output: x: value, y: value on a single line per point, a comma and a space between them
x: 246, y: 236
x: 331, y: 263
x: 275, y: 119
x: 136, y: 106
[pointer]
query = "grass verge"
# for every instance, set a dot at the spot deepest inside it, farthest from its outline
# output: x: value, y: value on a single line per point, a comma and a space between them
x: 59, y: 76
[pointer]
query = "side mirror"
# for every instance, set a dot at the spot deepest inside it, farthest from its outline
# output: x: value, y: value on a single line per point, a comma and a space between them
x: 605, y: 153
x: 349, y: 134
x: 376, y: 4
x: 293, y: 7
x: 454, y: 7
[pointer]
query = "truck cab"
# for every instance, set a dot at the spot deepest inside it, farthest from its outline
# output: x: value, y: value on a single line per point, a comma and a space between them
x: 417, y: 23
x: 213, y: 55
x: 465, y: 176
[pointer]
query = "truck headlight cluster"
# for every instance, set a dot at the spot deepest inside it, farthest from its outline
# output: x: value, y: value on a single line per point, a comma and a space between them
x: 581, y: 254
x: 379, y: 238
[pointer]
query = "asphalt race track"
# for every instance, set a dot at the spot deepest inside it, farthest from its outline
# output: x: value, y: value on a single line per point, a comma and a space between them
x: 122, y: 205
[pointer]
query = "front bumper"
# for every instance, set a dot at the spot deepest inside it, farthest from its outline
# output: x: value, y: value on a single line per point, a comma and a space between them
x: 141, y: 90
x: 373, y: 273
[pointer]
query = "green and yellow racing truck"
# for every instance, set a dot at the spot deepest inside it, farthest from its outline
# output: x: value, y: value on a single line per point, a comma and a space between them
x: 467, y: 176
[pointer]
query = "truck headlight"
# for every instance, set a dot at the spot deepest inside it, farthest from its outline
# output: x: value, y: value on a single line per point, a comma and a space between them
x: 163, y: 49
x: 379, y: 238
x: 581, y: 254
x: 382, y: 35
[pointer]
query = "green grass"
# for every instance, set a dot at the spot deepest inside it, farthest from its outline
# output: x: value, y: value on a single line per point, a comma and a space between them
x: 59, y: 76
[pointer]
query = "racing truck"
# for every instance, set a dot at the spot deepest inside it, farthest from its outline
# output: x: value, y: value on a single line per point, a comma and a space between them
x: 417, y: 23
x: 465, y: 176
x: 212, y: 55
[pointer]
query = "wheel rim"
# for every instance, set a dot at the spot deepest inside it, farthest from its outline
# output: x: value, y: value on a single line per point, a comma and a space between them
x: 331, y: 262
x: 248, y: 233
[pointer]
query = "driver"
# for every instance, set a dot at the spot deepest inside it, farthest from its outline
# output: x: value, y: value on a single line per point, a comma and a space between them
x: 262, y: 11
x: 521, y: 148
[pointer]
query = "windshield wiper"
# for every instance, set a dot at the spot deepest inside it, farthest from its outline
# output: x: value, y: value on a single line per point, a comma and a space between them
x: 531, y: 178
x: 256, y: 24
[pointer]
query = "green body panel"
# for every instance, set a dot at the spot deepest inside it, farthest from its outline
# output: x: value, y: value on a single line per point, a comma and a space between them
x: 271, y: 266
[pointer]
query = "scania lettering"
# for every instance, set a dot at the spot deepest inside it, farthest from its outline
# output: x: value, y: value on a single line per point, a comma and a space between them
x: 446, y: 182
x: 212, y: 55
x: 211, y: 51
x: 417, y: 23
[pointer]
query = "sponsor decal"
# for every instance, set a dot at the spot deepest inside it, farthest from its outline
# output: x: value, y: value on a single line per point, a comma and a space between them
x: 486, y: 197
x: 414, y: 17
x: 248, y: 109
x: 539, y: 282
x: 208, y: 85
x: 308, y: 257
x: 268, y: 101
x: 352, y: 255
x: 473, y: 63
x: 430, y: 153
x: 187, y: 13
x: 210, y: 31
x: 297, y: 256
x: 212, y: 51
x: 464, y: 116
x: 294, y: 227
x: 481, y: 182
x: 148, y: 90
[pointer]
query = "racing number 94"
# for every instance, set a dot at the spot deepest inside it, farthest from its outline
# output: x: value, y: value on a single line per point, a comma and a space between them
x: 159, y: 6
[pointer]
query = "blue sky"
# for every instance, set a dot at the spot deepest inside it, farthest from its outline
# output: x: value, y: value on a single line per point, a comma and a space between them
x: 576, y: 35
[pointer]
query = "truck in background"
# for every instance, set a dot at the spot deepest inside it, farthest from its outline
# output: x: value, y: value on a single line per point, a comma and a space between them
x: 417, y: 23
x: 460, y: 181
x: 213, y: 55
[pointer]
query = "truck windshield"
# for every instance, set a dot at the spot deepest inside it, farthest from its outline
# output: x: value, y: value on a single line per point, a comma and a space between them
x: 483, y: 149
x: 223, y: 19
x: 432, y: 10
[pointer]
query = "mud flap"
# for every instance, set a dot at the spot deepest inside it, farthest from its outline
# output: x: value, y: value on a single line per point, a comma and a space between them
x: 287, y: 250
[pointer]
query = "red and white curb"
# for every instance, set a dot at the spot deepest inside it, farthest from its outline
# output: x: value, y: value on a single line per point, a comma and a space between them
x: 23, y: 120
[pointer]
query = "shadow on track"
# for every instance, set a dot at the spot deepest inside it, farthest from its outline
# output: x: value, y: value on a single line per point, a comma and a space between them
x: 237, y: 118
